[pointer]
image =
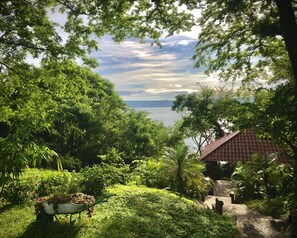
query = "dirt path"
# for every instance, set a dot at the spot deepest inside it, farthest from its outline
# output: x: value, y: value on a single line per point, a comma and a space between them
x: 250, y: 224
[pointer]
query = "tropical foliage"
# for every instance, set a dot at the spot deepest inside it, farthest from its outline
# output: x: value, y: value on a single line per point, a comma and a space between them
x: 66, y: 113
x: 57, y: 113
x: 262, y: 177
x: 184, y: 173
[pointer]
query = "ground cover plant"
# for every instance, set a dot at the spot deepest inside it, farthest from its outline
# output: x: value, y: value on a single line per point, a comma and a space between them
x: 134, y: 212
x: 277, y: 208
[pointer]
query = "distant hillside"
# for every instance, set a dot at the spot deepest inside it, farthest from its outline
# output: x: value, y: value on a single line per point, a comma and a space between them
x: 143, y: 104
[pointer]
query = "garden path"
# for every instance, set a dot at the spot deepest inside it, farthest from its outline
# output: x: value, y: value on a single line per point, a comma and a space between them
x: 249, y: 223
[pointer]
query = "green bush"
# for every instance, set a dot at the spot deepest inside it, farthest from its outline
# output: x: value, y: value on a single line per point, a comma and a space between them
x: 19, y: 191
x: 115, y: 175
x: 37, y: 183
x: 277, y: 208
x: 92, y: 181
x: 262, y: 177
x: 147, y: 173
x: 150, y: 173
x: 57, y: 183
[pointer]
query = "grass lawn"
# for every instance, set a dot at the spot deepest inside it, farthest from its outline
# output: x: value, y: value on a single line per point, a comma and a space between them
x: 134, y: 212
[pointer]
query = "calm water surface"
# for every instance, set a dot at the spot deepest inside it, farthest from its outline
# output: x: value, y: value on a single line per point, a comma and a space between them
x: 162, y: 114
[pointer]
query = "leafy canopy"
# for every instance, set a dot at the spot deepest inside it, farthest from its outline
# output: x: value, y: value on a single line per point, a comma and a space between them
x: 28, y: 28
x: 207, y: 114
x: 242, y: 40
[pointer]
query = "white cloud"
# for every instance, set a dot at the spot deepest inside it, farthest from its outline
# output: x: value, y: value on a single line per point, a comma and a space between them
x: 140, y: 71
x: 193, y: 34
x: 177, y: 85
x: 184, y: 42
x: 164, y: 90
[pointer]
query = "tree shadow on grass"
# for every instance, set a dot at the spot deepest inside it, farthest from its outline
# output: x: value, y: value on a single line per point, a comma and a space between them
x: 5, y: 208
x: 136, y: 218
x: 49, y: 230
x: 146, y: 217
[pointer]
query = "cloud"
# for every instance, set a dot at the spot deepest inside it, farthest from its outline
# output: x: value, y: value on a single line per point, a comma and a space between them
x: 140, y: 71
x: 164, y: 90
x: 185, y: 42
x: 176, y: 85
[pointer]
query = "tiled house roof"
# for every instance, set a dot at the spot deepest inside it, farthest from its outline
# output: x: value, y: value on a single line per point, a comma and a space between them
x: 240, y: 146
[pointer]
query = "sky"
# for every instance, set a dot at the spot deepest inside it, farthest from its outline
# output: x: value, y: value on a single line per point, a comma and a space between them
x: 145, y: 72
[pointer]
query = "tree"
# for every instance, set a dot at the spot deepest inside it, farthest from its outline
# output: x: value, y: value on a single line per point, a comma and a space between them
x: 141, y: 137
x: 27, y: 109
x: 243, y: 38
x: 28, y: 30
x: 250, y: 40
x: 182, y: 172
x: 253, y: 40
x: 29, y: 100
x: 90, y: 109
x: 207, y: 114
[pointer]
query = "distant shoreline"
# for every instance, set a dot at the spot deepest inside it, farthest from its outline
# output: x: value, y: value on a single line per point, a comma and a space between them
x: 145, y: 104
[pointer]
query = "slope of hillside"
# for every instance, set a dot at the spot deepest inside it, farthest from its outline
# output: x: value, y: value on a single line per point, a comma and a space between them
x: 133, y: 212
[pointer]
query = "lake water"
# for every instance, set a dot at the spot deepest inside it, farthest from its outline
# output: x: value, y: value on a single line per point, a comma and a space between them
x: 162, y: 114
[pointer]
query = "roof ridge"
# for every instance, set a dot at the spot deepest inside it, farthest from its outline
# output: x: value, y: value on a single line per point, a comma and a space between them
x: 231, y: 135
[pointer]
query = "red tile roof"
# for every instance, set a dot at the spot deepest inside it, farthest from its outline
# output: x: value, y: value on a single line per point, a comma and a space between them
x: 240, y: 146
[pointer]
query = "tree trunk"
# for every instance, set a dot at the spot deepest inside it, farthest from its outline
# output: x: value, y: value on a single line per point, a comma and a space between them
x: 295, y: 179
x: 3, y: 183
x: 289, y: 33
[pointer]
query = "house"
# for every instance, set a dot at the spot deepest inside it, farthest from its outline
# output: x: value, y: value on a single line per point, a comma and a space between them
x: 239, y: 146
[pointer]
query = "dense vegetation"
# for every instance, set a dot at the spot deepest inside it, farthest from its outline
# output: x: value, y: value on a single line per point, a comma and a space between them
x: 65, y: 113
x: 133, y: 212
x: 58, y: 114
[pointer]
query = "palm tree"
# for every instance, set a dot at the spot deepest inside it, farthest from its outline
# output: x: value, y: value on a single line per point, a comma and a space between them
x: 183, y: 172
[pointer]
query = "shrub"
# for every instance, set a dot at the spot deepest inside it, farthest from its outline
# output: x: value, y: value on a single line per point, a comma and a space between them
x: 115, y: 175
x: 262, y: 177
x: 57, y: 183
x: 19, y: 191
x: 151, y: 173
x: 275, y: 207
x: 36, y: 183
x: 147, y: 173
x: 92, y: 181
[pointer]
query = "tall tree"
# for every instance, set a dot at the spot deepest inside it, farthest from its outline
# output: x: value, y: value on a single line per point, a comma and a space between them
x: 243, y: 38
x: 206, y: 114
x: 254, y: 40
x: 272, y: 113
x: 141, y: 137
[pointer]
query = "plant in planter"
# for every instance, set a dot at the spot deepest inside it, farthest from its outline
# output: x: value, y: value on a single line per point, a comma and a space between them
x: 64, y: 204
